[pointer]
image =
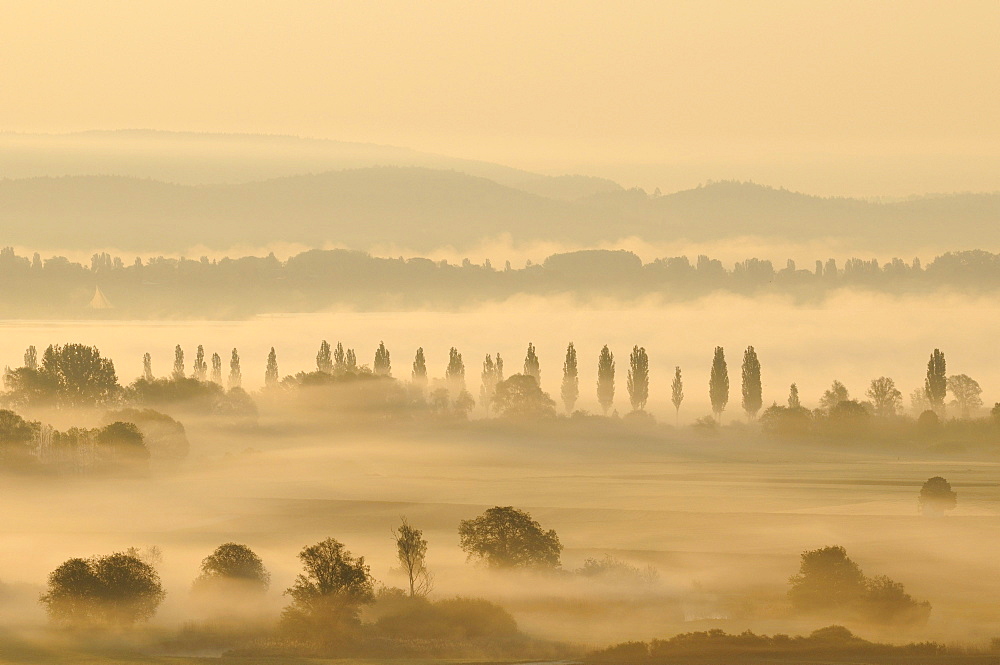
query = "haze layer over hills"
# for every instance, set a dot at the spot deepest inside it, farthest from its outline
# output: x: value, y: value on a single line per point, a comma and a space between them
x: 124, y: 189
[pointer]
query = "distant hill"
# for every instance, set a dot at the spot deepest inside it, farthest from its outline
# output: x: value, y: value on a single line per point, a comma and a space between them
x: 202, y: 159
x: 424, y: 209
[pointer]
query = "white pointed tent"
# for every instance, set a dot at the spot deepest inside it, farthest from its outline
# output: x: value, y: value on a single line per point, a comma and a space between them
x: 100, y: 301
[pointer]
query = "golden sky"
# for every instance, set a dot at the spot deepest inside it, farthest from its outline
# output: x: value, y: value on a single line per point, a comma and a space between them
x: 534, y: 84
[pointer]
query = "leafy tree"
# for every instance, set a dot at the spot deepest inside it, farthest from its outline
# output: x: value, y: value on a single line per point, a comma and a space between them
x: 531, y: 366
x: 793, y: 397
x: 937, y: 496
x: 637, y: 380
x: 936, y: 385
x: 718, y: 383
x: 836, y: 394
x: 411, y: 551
x: 235, y: 375
x: 571, y: 380
x: 752, y: 388
x: 606, y: 379
x: 271, y: 372
x: 520, y: 397
x: 217, y: 368
x: 382, y: 365
x: 200, y: 366
x: 122, y: 443
x: 147, y: 367
x: 339, y: 359
x: 31, y: 358
x: 178, y: 372
x: 81, y: 376
x: 419, y: 373
x: 455, y: 372
x: 490, y: 379
x: 505, y: 537
x: 328, y: 595
x: 324, y: 358
x: 790, y: 422
x: 677, y: 393
x: 967, y: 393
x: 827, y: 579
x: 351, y: 361
x: 116, y: 589
x: 233, y: 563
x: 885, y: 398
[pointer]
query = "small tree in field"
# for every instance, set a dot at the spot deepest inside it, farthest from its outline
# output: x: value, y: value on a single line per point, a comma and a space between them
x: 233, y: 565
x: 411, y: 551
x: 419, y: 374
x: 677, y: 393
x: 718, y: 383
x: 382, y: 365
x: 271, y: 372
x: 570, y: 391
x: 147, y: 367
x: 606, y: 379
x: 638, y: 378
x: 178, y: 372
x: 235, y: 375
x: 937, y: 496
x: 504, y: 537
x: 752, y: 387
x: 936, y: 383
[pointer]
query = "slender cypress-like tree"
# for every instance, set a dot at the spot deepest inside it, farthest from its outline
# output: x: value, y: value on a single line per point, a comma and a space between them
x: 936, y: 383
x: 147, y: 367
x: 499, y: 367
x: 419, y: 374
x: 382, y: 365
x: 200, y: 366
x: 235, y: 375
x: 638, y: 378
x: 571, y: 379
x: 793, y: 397
x: 606, y: 379
x: 718, y: 383
x: 271, y: 373
x: 455, y: 372
x: 217, y: 368
x: 752, y: 388
x: 178, y: 362
x: 677, y: 393
x: 31, y: 358
x: 489, y: 385
x: 339, y: 359
x: 531, y: 367
x: 351, y: 361
x: 324, y: 358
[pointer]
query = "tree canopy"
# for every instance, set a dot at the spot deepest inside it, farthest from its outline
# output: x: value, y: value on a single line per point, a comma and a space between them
x: 505, y: 537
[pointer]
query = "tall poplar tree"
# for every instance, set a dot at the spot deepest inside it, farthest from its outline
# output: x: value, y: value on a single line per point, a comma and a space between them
x: 718, y: 383
x: 324, y: 358
x: 936, y: 383
x: 752, y: 388
x: 489, y: 383
x: 382, y: 365
x: 235, y: 375
x: 147, y: 367
x: 217, y: 368
x: 271, y: 373
x: 339, y: 359
x: 31, y: 358
x: 793, y: 397
x: 606, y: 379
x: 531, y: 366
x: 638, y: 378
x: 419, y: 374
x: 200, y: 366
x: 571, y: 379
x: 455, y: 372
x: 677, y: 393
x: 178, y: 362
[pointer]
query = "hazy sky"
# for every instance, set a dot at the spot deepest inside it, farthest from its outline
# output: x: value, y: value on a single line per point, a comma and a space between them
x: 624, y: 87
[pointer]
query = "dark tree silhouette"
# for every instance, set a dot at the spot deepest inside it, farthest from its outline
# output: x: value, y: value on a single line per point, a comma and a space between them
x: 531, y: 366
x: 178, y: 372
x: 885, y: 398
x: 328, y: 595
x: 115, y: 589
x: 793, y: 397
x: 411, y: 551
x: 677, y: 393
x: 967, y: 394
x: 351, y: 361
x: 235, y: 375
x: 147, y: 367
x: 271, y: 372
x: 455, y: 372
x: 937, y: 496
x: 200, y: 366
x: 833, y: 396
x: 233, y: 564
x: 324, y: 358
x: 827, y: 579
x: 31, y: 358
x: 80, y: 375
x: 718, y: 383
x: 504, y: 537
x: 606, y: 379
x: 382, y: 366
x: 936, y: 383
x: 490, y: 379
x: 752, y: 387
x: 520, y: 397
x: 217, y: 368
x: 419, y: 374
x: 570, y: 391
x: 339, y: 359
x: 637, y: 380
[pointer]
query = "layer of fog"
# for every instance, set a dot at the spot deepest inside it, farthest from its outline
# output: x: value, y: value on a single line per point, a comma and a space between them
x: 851, y: 337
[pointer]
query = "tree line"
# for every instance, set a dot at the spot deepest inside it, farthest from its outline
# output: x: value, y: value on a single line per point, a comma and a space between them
x: 319, y: 279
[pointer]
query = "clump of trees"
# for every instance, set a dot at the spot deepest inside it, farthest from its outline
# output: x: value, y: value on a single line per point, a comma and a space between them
x: 233, y: 568
x: 505, y: 537
x: 937, y: 496
x: 830, y: 583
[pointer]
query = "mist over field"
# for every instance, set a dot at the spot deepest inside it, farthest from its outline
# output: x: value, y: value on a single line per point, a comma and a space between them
x: 583, y: 334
